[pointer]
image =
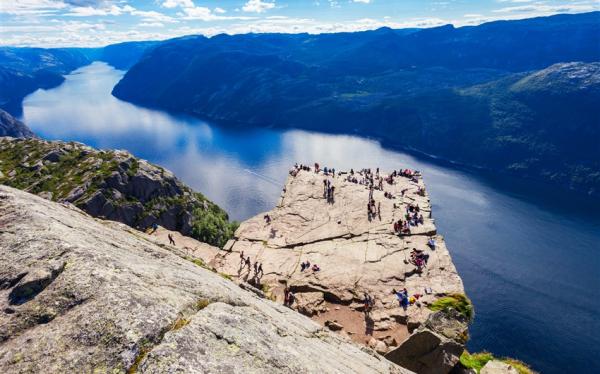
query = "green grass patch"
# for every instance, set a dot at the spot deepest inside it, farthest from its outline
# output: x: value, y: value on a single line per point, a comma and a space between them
x: 477, y: 361
x: 180, y: 323
x: 457, y: 301
x: 202, y: 303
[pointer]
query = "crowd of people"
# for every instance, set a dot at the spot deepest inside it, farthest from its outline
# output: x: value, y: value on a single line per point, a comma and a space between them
x: 374, y: 182
x: 246, y: 262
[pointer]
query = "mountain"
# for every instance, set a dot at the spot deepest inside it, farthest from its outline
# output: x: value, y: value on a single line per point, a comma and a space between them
x: 24, y: 70
x: 113, y: 185
x: 443, y: 91
x: 86, y: 295
x: 121, y: 55
x: 10, y: 126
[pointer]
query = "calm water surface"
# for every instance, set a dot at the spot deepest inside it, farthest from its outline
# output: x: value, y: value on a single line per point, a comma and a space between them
x: 529, y: 259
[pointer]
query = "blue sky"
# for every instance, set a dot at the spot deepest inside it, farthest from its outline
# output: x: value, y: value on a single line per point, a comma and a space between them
x: 100, y: 22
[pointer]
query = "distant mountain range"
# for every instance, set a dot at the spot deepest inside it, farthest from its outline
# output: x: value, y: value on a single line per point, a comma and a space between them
x: 503, y: 95
x: 24, y: 70
x: 509, y: 96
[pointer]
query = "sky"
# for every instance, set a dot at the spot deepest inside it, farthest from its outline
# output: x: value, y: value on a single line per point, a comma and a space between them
x: 70, y: 23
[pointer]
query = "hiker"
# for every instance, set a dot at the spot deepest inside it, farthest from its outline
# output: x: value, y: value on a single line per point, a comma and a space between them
x: 286, y: 295
x: 256, y: 267
x: 242, y: 258
x: 154, y: 228
x: 260, y: 269
x: 316, y: 268
x: 368, y: 303
x: 248, y: 262
x: 171, y: 240
x: 402, y: 298
x: 431, y: 243
x: 267, y: 218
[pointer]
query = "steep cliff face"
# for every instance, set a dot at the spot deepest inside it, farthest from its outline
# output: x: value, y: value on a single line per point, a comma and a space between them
x: 10, y: 126
x: 79, y: 294
x: 111, y: 184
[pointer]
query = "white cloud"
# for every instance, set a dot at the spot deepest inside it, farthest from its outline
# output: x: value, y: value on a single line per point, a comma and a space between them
x: 89, y: 11
x: 362, y: 1
x: 178, y: 3
x: 543, y: 9
x: 219, y: 10
x: 31, y: 7
x: 151, y: 24
x: 258, y: 6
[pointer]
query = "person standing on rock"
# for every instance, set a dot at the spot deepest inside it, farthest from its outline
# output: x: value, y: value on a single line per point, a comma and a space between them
x: 248, y: 263
x: 171, y: 240
x: 242, y: 258
x: 260, y: 269
x: 286, y: 295
x: 256, y: 268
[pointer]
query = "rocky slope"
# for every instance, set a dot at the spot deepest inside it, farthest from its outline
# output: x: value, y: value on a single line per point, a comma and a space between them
x: 79, y: 294
x: 10, y: 126
x: 113, y: 185
x: 356, y: 255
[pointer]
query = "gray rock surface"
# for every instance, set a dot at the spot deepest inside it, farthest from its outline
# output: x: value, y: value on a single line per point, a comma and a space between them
x: 78, y: 294
x: 10, y: 126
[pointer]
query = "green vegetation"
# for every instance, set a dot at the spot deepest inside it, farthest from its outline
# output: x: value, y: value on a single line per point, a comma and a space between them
x: 477, y: 361
x: 180, y: 323
x: 459, y: 302
x: 201, y: 304
x: 72, y: 172
x: 212, y: 226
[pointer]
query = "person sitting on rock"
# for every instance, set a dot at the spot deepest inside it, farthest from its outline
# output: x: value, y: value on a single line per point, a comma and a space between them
x: 267, y: 218
x: 316, y: 268
x: 431, y: 243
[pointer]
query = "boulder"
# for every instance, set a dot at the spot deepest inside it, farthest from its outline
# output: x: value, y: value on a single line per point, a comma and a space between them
x: 333, y: 325
x: 435, y: 347
x: 498, y: 367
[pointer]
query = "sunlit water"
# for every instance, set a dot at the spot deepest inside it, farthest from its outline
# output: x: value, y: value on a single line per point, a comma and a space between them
x: 529, y: 259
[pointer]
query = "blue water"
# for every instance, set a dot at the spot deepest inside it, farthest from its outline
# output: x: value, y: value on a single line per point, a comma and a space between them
x: 529, y: 257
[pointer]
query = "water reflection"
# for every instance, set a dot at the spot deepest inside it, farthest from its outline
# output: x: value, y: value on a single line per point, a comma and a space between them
x: 533, y: 271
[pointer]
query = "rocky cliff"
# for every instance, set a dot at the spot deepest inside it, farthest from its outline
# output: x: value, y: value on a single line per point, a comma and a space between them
x: 113, y: 185
x: 79, y: 294
x: 10, y: 126
x: 356, y: 255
